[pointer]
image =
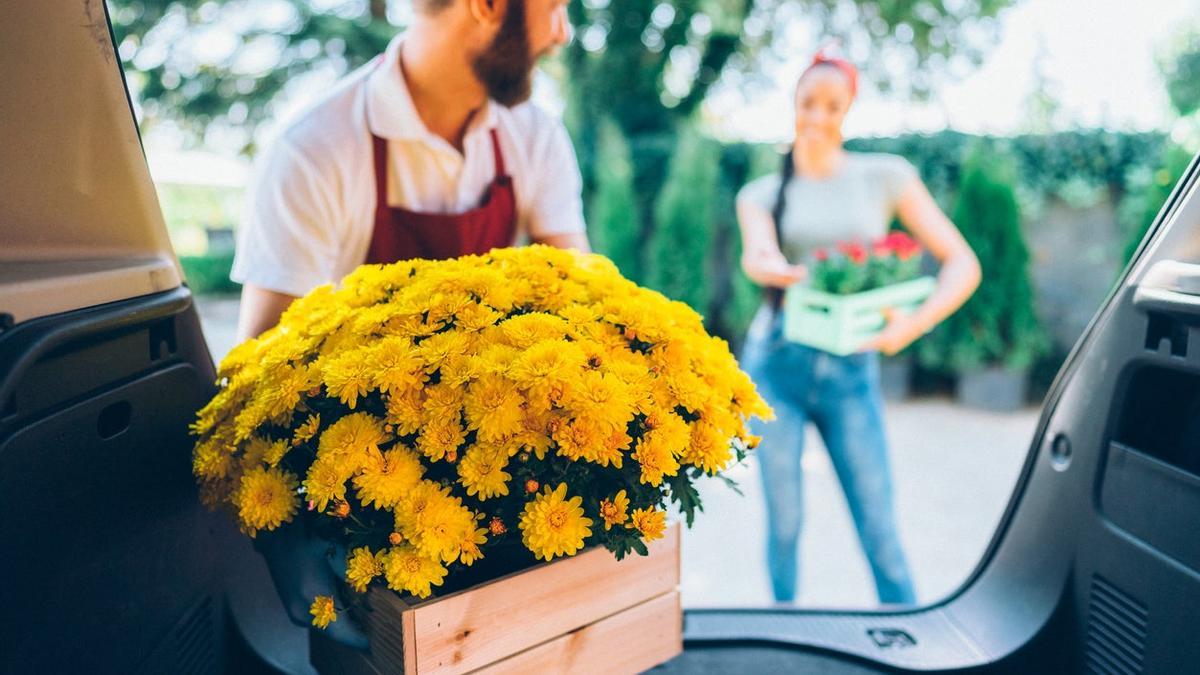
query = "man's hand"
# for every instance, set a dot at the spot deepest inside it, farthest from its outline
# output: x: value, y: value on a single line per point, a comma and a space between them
x: 260, y: 310
x: 301, y: 567
x: 575, y: 240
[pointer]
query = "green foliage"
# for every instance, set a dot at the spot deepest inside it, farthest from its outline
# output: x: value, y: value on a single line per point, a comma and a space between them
x: 614, y: 225
x: 683, y: 224
x: 166, y: 50
x: 1180, y: 67
x: 209, y: 274
x: 734, y: 298
x: 647, y: 63
x: 997, y: 326
x: 1138, y: 210
x: 845, y: 272
x: 1046, y: 165
x: 684, y: 494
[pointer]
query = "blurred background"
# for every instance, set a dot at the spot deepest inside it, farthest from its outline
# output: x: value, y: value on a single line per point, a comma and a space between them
x: 1076, y: 116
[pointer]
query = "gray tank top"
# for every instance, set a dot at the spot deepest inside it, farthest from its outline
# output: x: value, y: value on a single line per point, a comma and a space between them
x: 855, y: 204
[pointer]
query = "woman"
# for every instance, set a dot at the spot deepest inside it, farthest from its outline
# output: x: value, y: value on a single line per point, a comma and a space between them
x: 825, y: 195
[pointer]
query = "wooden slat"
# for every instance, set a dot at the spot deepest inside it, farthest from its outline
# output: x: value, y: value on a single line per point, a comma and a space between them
x: 389, y: 631
x: 631, y: 641
x: 480, y: 626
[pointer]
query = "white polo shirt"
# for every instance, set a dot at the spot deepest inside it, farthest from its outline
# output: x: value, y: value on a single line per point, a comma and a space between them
x: 310, y: 205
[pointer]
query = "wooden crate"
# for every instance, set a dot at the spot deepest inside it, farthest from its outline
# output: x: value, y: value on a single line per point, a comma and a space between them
x: 584, y: 614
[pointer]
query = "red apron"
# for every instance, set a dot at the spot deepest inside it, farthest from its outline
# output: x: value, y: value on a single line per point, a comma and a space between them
x: 401, y: 234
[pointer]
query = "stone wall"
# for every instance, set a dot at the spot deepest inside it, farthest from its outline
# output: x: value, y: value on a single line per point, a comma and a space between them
x: 1075, y: 257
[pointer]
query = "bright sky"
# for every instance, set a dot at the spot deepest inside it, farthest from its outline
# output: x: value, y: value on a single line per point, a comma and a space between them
x: 1100, y: 55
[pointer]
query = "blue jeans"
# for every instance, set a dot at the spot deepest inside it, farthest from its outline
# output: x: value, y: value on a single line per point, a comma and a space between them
x: 840, y: 395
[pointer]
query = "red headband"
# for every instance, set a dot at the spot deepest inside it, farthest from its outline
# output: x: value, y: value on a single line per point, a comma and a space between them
x: 843, y: 65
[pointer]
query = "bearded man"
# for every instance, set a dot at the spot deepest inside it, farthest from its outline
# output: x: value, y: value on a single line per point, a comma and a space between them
x: 431, y: 150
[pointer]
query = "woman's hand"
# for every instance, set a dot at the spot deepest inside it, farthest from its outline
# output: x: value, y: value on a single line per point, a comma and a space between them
x: 772, y: 269
x: 900, y: 331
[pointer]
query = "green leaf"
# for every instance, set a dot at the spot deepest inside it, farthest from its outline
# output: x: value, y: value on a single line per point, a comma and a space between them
x: 684, y: 493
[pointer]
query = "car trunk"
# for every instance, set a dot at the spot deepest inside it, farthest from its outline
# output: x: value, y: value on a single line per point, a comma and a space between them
x: 111, y: 565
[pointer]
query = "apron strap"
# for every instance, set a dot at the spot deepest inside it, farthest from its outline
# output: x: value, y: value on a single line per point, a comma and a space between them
x: 379, y: 149
x: 498, y: 155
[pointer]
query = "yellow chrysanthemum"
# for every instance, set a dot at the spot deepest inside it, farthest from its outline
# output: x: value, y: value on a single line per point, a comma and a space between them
x: 442, y: 402
x: 476, y: 317
x: 671, y: 431
x: 493, y: 407
x: 542, y: 365
x: 356, y: 435
x: 306, y: 431
x: 362, y: 567
x: 443, y: 528
x: 652, y: 523
x: 266, y: 499
x: 413, y: 508
x: 212, y: 458
x: 493, y: 357
x: 326, y: 481
x: 614, y: 511
x: 249, y: 419
x: 405, y: 411
x: 482, y: 473
x: 406, y: 570
x: 448, y: 306
x: 709, y: 449
x: 348, y: 376
x: 281, y: 390
x: 460, y: 370
x: 538, y: 426
x: 584, y: 438
x: 323, y: 612
x: 526, y: 330
x: 386, y: 477
x: 484, y: 362
x: 552, y: 525
x: 395, y: 366
x: 263, y: 451
x: 602, y: 397
x: 470, y: 548
x: 436, y: 349
x: 655, y: 458
x: 439, y: 437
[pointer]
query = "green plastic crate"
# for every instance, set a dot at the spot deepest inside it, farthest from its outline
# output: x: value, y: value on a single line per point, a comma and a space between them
x: 841, y: 324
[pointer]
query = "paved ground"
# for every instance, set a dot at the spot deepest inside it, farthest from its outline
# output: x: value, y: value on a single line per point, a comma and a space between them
x: 954, y: 468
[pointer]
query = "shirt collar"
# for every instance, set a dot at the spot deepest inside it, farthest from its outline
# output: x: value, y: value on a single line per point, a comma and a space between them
x: 391, y: 113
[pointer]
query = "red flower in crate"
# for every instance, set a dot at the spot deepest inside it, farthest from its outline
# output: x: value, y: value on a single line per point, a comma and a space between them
x: 854, y: 251
x: 820, y: 255
x: 904, y: 246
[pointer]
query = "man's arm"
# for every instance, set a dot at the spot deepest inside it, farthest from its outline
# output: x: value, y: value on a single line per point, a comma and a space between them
x: 288, y: 235
x: 260, y: 310
x: 575, y: 240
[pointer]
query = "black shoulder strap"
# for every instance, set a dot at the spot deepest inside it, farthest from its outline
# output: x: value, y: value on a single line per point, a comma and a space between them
x: 774, y: 296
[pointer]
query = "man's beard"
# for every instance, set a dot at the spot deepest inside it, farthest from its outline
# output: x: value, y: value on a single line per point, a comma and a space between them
x: 506, y: 67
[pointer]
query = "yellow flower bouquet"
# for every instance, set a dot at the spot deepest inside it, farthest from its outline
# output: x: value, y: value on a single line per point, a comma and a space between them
x: 427, y: 412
